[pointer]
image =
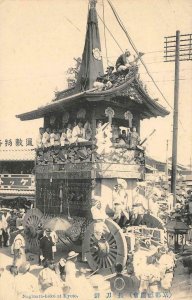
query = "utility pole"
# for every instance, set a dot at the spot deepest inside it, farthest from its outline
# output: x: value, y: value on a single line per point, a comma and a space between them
x: 167, y: 166
x: 177, y: 48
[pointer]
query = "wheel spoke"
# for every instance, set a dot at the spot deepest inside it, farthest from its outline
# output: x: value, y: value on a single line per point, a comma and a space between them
x: 113, y: 251
x: 112, y: 255
x: 114, y: 245
x: 112, y: 258
x: 110, y: 238
x: 104, y: 263
x: 109, y: 261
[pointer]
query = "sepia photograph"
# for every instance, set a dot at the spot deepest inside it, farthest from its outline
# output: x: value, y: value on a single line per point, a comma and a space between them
x: 96, y: 149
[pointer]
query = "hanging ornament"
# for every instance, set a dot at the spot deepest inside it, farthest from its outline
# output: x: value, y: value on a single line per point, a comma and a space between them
x: 109, y: 112
x: 81, y: 113
x: 52, y: 120
x: 128, y: 116
x: 65, y: 117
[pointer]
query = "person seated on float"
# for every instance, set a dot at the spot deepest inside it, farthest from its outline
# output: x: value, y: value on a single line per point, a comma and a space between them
x: 63, y: 139
x: 109, y: 78
x: 121, y: 217
x: 122, y: 141
x: 115, y: 132
x: 153, y: 204
x: 99, y: 125
x: 116, y: 143
x: 140, y: 207
x: 69, y: 133
x: 128, y: 137
x: 124, y: 135
x: 109, y: 72
x: 54, y: 138
x: 107, y: 84
x: 88, y: 131
x: 123, y: 61
x: 46, y: 138
x: 98, y: 210
x: 78, y: 133
x: 99, y: 137
x: 98, y: 84
x: 134, y: 138
x: 57, y: 138
x: 40, y: 137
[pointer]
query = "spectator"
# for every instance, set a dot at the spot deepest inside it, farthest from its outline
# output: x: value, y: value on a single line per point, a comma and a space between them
x: 46, y: 244
x: 70, y: 267
x: 47, y: 277
x: 60, y: 268
x: 18, y: 248
x: 26, y: 283
x: 122, y: 283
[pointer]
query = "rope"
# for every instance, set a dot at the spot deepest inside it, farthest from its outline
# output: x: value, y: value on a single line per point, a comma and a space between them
x: 135, y: 49
x: 105, y: 32
x: 110, y: 33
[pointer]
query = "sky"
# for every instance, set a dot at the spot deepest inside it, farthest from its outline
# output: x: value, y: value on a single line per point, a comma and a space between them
x: 40, y: 38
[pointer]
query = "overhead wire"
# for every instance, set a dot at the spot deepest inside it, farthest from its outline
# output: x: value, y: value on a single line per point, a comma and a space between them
x: 110, y: 33
x: 135, y: 49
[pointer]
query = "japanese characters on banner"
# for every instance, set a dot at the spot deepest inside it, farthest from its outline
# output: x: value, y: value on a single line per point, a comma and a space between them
x: 17, y: 181
x: 18, y: 142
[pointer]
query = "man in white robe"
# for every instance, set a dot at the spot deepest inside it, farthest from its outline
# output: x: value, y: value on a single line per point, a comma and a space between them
x: 78, y: 133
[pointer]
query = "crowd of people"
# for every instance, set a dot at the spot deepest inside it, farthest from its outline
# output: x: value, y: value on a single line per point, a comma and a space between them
x: 65, y: 275
x: 68, y: 135
x: 82, y: 132
x: 10, y: 220
x: 57, y: 276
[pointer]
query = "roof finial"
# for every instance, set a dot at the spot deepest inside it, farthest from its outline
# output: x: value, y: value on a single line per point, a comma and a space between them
x: 92, y: 3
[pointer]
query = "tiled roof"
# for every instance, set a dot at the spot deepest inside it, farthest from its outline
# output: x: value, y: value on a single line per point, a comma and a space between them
x: 13, y: 155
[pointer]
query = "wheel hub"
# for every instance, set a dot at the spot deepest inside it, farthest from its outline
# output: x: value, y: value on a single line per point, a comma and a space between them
x: 103, y: 248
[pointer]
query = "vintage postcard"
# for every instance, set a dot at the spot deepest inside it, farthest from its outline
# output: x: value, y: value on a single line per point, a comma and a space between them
x: 95, y: 149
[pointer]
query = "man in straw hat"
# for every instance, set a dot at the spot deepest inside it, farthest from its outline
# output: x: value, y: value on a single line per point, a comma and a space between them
x: 70, y: 267
x: 18, y: 248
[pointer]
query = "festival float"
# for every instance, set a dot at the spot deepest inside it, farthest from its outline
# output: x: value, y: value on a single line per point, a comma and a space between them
x: 84, y: 166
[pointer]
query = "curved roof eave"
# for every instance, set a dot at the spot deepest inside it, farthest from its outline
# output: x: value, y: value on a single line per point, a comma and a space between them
x: 92, y: 95
x: 52, y: 106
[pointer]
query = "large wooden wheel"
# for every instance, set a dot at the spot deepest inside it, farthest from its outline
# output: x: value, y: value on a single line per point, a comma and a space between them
x: 32, y: 222
x: 111, y: 249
